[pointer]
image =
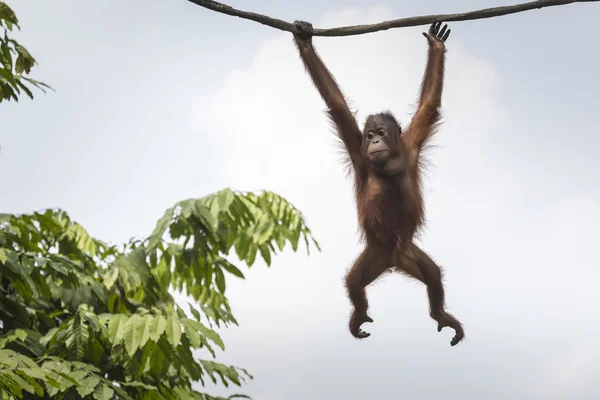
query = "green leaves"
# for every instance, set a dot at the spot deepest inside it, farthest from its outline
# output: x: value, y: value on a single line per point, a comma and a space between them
x: 157, y: 327
x: 77, y: 336
x: 116, y: 327
x: 132, y: 335
x: 209, y: 228
x: 81, y: 319
x: 173, y: 331
x: 103, y: 392
x: 11, y: 336
x: 15, y: 61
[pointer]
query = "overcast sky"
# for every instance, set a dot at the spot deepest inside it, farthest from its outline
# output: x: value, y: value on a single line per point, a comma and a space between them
x: 159, y: 101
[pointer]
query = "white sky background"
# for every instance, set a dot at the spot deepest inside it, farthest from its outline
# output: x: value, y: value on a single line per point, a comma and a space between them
x: 156, y: 103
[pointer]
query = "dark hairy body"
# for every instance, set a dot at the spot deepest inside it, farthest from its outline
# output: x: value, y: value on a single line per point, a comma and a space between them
x: 386, y: 163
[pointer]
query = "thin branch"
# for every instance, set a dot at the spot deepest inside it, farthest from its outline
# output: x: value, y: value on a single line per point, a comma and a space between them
x: 396, y: 23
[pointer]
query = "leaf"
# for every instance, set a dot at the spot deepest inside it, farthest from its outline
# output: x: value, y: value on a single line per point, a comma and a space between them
x: 194, y: 312
x: 163, y: 270
x: 192, y: 334
x: 160, y: 229
x: 94, y: 322
x: 81, y: 238
x: 266, y: 254
x: 38, y: 84
x: 34, y: 372
x: 48, y: 336
x: 157, y: 327
x: 280, y: 238
x: 23, y: 384
x: 251, y: 254
x: 116, y: 328
x: 138, y: 384
x: 209, y: 333
x: 20, y: 334
x: 88, y: 385
x: 132, y: 335
x: 103, y: 392
x: 110, y: 278
x: 232, y: 269
x: 122, y: 394
x: 77, y: 338
x: 264, y: 229
x: 38, y: 390
x: 5, y: 217
x: 143, y: 328
x: 220, y: 279
x: 173, y: 330
x: 13, y: 335
x: 204, y: 215
x: 220, y: 202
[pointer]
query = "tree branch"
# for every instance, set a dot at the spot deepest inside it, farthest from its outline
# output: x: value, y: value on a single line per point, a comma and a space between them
x: 396, y: 23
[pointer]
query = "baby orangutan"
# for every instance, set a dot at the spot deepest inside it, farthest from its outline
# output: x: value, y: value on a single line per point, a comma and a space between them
x: 386, y: 164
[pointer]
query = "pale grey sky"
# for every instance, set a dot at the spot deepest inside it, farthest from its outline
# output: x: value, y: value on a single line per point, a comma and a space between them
x: 160, y: 101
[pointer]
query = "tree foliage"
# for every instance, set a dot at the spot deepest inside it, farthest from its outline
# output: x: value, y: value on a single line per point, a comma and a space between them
x: 15, y: 60
x: 80, y: 318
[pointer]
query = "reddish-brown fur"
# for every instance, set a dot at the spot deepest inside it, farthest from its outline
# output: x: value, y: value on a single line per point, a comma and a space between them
x: 388, y: 191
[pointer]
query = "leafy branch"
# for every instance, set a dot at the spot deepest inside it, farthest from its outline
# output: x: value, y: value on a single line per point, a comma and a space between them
x: 15, y: 60
x: 381, y: 26
x: 83, y: 319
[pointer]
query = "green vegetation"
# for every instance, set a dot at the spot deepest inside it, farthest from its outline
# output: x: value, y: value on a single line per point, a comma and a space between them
x: 80, y: 318
x: 15, y: 60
